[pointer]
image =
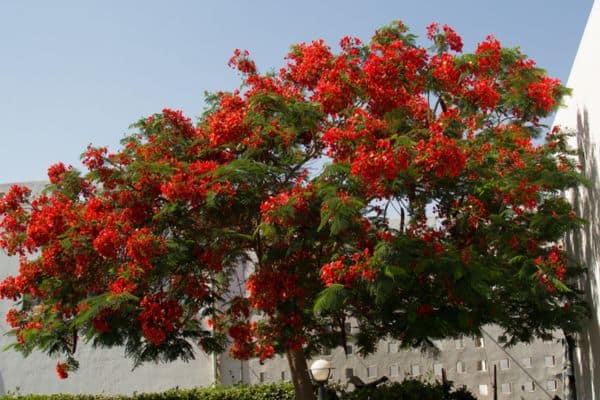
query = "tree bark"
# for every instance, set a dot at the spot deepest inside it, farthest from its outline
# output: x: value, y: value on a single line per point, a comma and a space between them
x: 570, y: 350
x: 300, y: 378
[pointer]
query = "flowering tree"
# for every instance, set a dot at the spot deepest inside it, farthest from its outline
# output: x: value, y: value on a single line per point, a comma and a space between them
x: 299, y: 173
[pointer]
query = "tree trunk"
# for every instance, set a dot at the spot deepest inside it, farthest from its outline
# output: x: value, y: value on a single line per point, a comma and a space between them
x: 300, y: 378
x: 570, y: 370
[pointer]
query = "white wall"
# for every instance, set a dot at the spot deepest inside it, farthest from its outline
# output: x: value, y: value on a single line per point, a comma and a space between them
x: 582, y: 115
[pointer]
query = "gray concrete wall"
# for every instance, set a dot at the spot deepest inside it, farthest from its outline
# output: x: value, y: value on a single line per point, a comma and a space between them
x: 397, y: 364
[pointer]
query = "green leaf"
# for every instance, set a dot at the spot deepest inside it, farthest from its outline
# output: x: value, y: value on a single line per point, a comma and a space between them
x: 330, y: 299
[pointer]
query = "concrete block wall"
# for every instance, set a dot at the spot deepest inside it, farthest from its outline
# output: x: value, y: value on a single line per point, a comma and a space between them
x: 528, y: 371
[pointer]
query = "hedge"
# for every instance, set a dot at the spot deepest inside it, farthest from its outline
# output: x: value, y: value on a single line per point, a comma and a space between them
x: 409, y: 389
x: 283, y: 391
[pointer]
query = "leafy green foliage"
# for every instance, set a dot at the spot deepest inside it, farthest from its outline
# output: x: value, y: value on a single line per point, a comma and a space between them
x: 281, y: 391
x: 411, y: 389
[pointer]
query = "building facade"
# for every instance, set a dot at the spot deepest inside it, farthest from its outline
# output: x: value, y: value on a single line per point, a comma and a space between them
x: 581, y: 115
x: 526, y: 371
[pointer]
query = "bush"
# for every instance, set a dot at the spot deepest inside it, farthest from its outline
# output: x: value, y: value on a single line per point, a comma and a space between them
x: 280, y: 391
x: 410, y: 389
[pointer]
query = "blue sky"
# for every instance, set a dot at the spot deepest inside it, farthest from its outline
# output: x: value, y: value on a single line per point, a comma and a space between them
x: 80, y: 72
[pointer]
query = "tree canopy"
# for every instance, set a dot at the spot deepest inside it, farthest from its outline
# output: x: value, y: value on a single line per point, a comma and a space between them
x: 299, y: 173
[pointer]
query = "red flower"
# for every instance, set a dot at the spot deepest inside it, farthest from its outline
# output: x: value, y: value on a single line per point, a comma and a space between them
x: 62, y: 370
x: 432, y: 30
x: 485, y: 94
x: 441, y: 155
x: 488, y: 55
x: 453, y: 39
x: 448, y: 37
x: 107, y: 242
x: 122, y: 285
x: 308, y: 62
x: 100, y: 321
x: 242, y: 62
x: 544, y: 92
x: 56, y: 172
x: 159, y: 317
x: 424, y: 310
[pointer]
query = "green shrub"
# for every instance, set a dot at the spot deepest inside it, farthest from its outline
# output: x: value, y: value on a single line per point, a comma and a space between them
x: 280, y: 391
x: 410, y: 389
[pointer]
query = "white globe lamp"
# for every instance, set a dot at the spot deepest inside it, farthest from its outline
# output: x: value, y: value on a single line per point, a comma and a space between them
x: 320, y: 370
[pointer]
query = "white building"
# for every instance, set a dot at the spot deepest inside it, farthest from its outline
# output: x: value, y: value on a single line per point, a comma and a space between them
x: 582, y: 115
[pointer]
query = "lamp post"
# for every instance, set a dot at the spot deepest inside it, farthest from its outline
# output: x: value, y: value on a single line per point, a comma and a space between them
x: 320, y: 371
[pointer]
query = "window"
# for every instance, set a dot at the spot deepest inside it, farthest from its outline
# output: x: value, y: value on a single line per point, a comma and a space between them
x: 460, y: 344
x: 437, y: 369
x: 283, y: 375
x: 349, y: 373
x: 528, y: 386
x: 232, y: 375
x: 394, y: 371
x: 551, y: 385
x: 326, y: 351
x: 526, y: 362
x: 479, y: 341
x: 261, y: 377
x: 415, y: 370
x: 349, y: 349
x: 505, y: 388
x: 481, y: 366
x: 549, y: 361
x: 504, y: 364
x: 483, y: 390
x: 372, y: 371
x: 460, y: 367
x: 392, y: 347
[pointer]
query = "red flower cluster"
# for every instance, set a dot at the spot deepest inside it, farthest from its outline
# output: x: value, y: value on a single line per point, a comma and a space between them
x: 265, y: 297
x: 339, y: 272
x: 242, y: 335
x: 554, y: 264
x: 394, y: 75
x: 62, y: 369
x: 442, y: 156
x: 159, y: 317
x: 543, y: 93
x: 242, y: 62
x: 485, y: 94
x: 57, y: 171
x: 488, y: 56
x: 308, y: 62
x: 228, y: 124
x: 448, y: 37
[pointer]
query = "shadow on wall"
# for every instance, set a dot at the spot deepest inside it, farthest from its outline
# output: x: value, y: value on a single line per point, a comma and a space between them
x: 584, y: 246
x: 1, y: 385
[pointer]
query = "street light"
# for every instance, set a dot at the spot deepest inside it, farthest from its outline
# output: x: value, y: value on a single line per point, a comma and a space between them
x: 320, y: 371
